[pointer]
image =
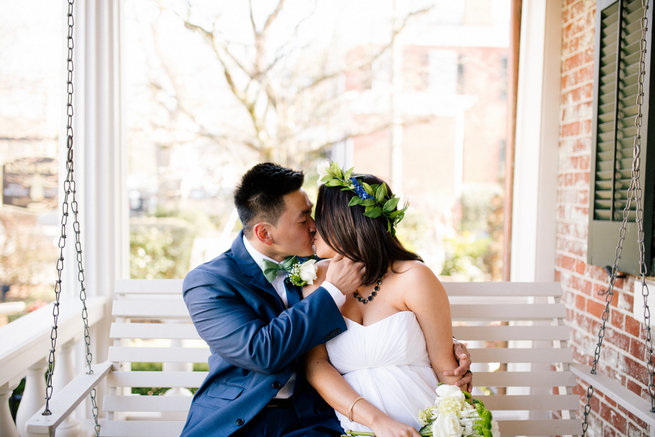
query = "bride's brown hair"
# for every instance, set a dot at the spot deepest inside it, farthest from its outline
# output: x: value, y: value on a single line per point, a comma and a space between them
x: 349, y: 232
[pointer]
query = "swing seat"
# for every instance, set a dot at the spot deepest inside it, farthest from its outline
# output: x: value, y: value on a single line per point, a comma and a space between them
x: 514, y: 331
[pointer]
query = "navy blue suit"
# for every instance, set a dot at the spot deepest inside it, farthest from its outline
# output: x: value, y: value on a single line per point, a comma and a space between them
x: 256, y: 344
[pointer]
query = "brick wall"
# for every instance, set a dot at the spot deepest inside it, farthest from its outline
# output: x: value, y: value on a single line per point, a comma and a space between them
x: 623, y: 349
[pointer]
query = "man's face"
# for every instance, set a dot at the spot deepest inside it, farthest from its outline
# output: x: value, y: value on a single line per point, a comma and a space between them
x: 295, y: 229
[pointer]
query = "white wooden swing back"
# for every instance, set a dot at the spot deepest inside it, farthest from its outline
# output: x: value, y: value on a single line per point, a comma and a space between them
x: 515, y: 333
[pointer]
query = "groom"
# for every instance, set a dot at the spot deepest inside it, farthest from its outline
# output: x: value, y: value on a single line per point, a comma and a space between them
x: 258, y: 331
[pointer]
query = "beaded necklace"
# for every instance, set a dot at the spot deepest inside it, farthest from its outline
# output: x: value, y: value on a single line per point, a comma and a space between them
x: 374, y: 293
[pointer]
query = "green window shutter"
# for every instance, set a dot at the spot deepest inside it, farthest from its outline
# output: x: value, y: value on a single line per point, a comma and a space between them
x: 618, y: 35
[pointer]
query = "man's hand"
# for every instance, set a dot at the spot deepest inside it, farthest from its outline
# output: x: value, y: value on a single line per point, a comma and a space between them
x: 345, y: 274
x: 464, y: 369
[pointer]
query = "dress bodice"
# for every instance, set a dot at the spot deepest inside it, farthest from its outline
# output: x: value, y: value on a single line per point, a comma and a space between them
x: 386, y: 362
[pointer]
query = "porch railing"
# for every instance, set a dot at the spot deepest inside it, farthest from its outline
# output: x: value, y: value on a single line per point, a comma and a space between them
x: 24, y: 348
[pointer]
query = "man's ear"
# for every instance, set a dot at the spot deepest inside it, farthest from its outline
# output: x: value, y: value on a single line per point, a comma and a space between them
x: 262, y: 232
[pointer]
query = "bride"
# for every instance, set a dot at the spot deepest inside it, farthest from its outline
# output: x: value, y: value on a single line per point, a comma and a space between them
x: 398, y: 346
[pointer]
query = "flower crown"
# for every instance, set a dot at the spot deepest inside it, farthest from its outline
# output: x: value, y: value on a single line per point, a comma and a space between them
x: 374, y: 198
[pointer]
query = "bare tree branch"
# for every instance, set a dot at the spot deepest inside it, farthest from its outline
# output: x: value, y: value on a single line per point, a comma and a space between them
x: 367, y: 63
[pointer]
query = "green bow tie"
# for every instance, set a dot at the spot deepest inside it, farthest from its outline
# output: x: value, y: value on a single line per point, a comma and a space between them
x: 271, y: 269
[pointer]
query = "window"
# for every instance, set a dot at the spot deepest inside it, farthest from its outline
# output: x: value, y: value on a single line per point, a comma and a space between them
x: 618, y: 34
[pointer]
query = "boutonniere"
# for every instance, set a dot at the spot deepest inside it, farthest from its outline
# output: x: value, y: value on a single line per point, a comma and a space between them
x: 303, y: 273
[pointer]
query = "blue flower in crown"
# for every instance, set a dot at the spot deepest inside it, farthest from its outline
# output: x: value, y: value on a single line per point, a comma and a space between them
x: 359, y: 190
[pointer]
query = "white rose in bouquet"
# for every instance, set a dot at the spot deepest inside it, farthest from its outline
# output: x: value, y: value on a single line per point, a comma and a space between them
x: 447, y: 425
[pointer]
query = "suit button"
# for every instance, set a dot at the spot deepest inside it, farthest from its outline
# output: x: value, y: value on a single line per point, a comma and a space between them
x: 239, y: 421
x: 277, y: 385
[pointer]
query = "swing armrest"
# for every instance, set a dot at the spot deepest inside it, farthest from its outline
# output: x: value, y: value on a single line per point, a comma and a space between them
x: 68, y: 398
x: 611, y: 388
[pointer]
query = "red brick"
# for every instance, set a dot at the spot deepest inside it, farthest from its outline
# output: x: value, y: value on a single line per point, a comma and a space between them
x: 616, y: 319
x: 636, y: 370
x: 634, y: 387
x: 632, y: 327
x: 616, y: 338
x: 580, y: 267
x: 595, y: 308
x: 637, y: 349
x: 580, y: 302
x: 571, y: 129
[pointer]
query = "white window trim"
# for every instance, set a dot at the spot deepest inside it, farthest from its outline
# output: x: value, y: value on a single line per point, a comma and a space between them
x: 537, y: 140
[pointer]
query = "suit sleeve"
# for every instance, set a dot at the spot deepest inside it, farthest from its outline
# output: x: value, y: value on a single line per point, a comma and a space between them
x: 235, y: 331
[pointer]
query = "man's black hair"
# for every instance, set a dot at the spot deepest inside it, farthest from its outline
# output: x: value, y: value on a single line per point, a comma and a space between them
x: 260, y: 194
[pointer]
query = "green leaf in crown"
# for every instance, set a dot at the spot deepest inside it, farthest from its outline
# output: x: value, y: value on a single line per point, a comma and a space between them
x: 373, y: 197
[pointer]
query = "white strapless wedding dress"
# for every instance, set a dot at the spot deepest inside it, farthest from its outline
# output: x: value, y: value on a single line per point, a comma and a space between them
x: 387, y: 363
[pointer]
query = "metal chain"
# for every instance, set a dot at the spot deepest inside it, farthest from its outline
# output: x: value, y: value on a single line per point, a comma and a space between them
x: 634, y: 191
x: 70, y: 191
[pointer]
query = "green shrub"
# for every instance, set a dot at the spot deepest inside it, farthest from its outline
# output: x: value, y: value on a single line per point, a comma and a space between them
x: 160, y: 247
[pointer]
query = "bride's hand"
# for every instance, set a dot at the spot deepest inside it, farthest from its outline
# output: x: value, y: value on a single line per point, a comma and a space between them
x: 385, y: 426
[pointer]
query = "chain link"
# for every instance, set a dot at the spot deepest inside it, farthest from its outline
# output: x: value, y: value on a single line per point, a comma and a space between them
x: 70, y: 194
x: 634, y: 192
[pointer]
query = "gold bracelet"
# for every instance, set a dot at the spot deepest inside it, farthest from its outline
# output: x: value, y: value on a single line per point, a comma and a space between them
x: 350, y: 410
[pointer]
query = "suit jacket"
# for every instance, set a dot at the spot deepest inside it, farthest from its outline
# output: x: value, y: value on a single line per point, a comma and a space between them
x: 256, y: 344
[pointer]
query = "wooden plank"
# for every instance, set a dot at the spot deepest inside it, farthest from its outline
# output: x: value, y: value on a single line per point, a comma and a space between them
x: 505, y: 333
x: 155, y: 379
x: 552, y: 402
x: 148, y: 286
x: 154, y: 330
x: 503, y: 289
x: 611, y: 388
x: 524, y: 379
x: 521, y: 355
x: 65, y: 400
x: 540, y: 427
x: 140, y: 428
x: 149, y: 309
x: 158, y: 354
x: 146, y: 403
x: 506, y: 312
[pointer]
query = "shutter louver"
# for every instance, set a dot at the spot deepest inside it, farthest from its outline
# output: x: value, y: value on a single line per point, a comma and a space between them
x: 618, y: 36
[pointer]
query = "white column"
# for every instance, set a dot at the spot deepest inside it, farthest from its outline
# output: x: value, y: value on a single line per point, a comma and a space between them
x: 33, y: 396
x: 537, y: 139
x: 7, y: 426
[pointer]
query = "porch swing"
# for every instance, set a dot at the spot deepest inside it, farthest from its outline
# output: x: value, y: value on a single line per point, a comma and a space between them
x: 527, y: 376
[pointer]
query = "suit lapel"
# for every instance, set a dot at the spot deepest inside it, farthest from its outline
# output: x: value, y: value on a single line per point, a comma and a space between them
x: 294, y: 293
x: 249, y: 268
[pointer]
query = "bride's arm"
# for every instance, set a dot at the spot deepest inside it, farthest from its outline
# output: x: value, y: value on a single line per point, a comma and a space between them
x: 336, y: 391
x: 428, y: 300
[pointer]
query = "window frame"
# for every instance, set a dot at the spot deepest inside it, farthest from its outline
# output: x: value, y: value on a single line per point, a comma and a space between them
x: 603, y: 235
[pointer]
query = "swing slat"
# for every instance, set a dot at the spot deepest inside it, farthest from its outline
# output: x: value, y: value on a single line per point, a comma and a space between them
x: 159, y: 354
x: 540, y: 427
x: 505, y: 333
x: 524, y: 379
x: 530, y: 402
x: 147, y: 403
x: 140, y: 428
x: 67, y: 399
x: 522, y: 355
x: 181, y: 331
x: 155, y: 379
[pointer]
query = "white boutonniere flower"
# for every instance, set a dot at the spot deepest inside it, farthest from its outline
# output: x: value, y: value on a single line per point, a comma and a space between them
x: 303, y: 273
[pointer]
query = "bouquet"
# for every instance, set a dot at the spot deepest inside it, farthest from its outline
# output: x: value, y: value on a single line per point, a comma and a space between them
x: 454, y: 414
x: 457, y: 414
